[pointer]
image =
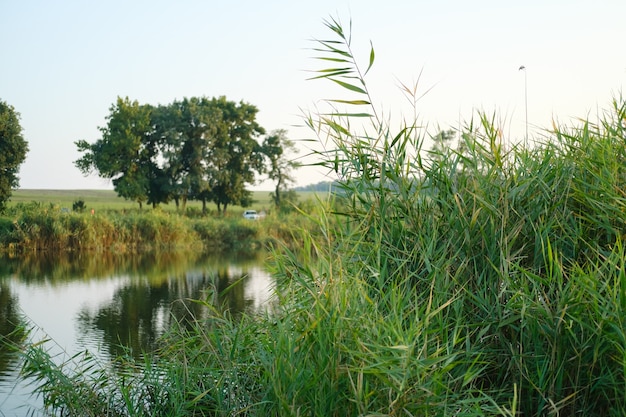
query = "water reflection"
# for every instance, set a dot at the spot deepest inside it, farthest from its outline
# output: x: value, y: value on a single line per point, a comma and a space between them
x: 141, y: 310
x: 115, y: 304
x: 12, y: 331
x: 56, y: 268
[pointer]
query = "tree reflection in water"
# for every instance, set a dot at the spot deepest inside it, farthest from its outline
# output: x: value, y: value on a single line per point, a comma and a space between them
x: 12, y: 330
x: 141, y: 311
x: 152, y: 290
x: 12, y: 335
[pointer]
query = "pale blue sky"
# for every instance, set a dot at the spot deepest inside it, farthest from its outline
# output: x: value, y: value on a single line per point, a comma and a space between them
x: 65, y: 62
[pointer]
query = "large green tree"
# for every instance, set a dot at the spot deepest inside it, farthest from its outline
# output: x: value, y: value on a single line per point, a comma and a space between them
x: 195, y: 148
x: 277, y: 147
x: 186, y: 130
x: 235, y: 155
x: 126, y: 153
x: 13, y: 149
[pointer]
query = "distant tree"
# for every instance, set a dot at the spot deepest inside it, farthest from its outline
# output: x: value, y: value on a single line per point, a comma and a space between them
x: 13, y: 150
x: 442, y: 141
x: 277, y: 148
x: 196, y: 148
x: 126, y: 153
x: 186, y: 130
x: 234, y: 155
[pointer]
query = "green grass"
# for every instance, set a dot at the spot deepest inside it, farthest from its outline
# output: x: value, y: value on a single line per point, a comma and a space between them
x: 475, y: 281
x: 64, y: 198
x: 108, y: 199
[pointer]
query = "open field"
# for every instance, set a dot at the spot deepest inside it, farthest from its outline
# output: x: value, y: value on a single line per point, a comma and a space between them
x: 108, y: 199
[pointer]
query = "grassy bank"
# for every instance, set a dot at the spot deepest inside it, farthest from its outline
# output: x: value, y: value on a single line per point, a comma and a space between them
x: 40, y: 226
x: 475, y: 281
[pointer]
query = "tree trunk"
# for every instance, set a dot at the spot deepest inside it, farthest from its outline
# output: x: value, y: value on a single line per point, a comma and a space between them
x: 277, y: 192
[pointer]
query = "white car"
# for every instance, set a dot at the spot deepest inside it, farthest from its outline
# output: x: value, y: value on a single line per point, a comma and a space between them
x: 251, y: 215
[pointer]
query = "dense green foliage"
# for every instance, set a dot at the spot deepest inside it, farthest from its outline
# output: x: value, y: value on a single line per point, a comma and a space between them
x: 13, y: 149
x: 476, y: 281
x: 196, y: 148
x: 124, y: 153
x: 276, y: 147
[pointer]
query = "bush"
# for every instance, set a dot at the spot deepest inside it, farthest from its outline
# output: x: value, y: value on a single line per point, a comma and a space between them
x: 79, y: 206
x: 6, y: 230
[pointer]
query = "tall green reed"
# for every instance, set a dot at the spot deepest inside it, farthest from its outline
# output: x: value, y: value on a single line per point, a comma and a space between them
x: 467, y: 230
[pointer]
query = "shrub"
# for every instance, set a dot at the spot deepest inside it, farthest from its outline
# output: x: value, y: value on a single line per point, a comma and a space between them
x: 79, y: 206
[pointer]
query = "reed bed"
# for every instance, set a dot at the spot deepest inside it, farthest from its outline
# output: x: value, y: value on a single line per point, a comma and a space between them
x: 47, y: 227
x: 479, y: 280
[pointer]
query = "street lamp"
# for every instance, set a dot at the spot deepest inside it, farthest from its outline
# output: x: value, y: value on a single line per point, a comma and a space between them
x: 523, y: 68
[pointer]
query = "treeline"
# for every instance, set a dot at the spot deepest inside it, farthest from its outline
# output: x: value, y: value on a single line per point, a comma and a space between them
x: 323, y: 186
x: 199, y: 148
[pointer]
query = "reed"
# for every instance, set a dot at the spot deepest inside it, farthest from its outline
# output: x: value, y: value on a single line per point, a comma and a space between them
x: 501, y: 244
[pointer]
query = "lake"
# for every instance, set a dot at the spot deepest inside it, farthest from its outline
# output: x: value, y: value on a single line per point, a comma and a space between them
x: 113, y: 303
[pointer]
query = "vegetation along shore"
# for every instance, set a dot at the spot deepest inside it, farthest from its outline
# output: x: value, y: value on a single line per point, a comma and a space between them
x: 99, y: 220
x: 484, y: 278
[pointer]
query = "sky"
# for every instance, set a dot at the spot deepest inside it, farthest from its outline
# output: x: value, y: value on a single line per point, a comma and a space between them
x: 64, y: 63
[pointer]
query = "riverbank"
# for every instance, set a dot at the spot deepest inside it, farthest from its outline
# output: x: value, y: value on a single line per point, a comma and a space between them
x: 38, y: 226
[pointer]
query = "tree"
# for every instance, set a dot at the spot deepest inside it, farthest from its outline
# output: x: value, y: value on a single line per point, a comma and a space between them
x: 276, y: 148
x: 235, y: 155
x: 442, y: 142
x: 126, y: 153
x: 198, y: 148
x: 13, y: 150
x: 186, y: 128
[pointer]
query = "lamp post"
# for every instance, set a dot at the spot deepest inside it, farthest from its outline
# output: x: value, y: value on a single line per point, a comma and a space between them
x: 523, y: 68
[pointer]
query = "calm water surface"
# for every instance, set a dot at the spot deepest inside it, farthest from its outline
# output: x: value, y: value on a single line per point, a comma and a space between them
x: 105, y: 303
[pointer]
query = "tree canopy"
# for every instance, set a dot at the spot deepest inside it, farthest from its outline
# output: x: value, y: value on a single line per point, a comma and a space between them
x: 13, y: 150
x: 276, y: 148
x: 199, y: 148
x: 124, y: 154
